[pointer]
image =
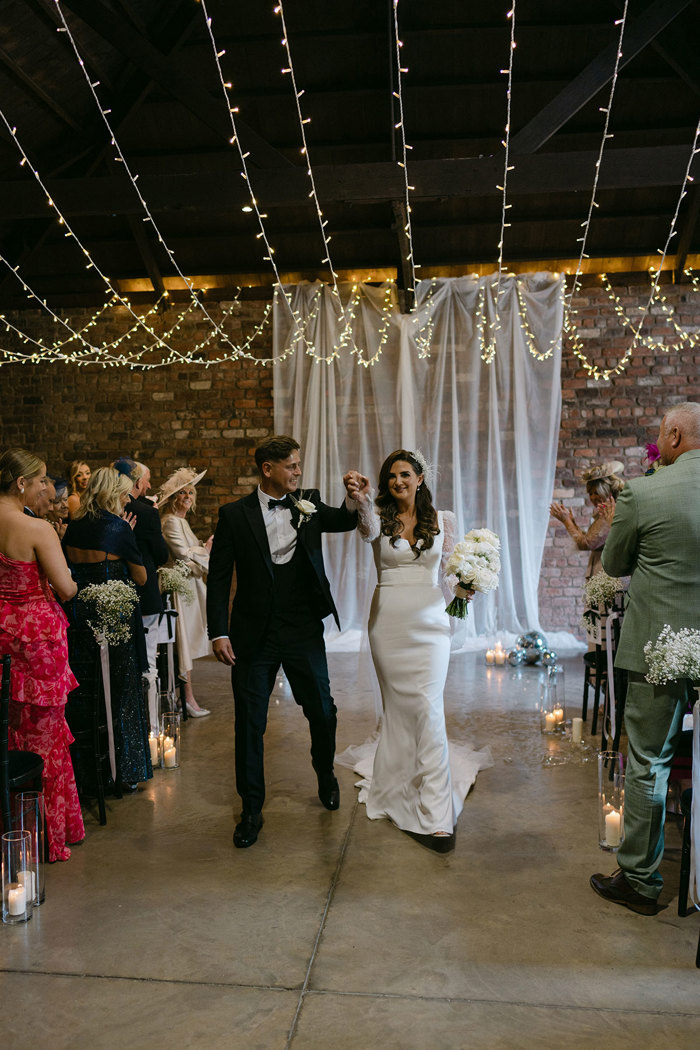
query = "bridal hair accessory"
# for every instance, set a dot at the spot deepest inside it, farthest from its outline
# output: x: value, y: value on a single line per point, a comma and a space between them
x: 609, y: 468
x: 425, y: 468
x: 178, y: 480
x: 476, y: 563
x: 305, y: 507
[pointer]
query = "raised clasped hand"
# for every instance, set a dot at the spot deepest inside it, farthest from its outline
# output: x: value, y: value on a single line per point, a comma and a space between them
x: 357, y: 485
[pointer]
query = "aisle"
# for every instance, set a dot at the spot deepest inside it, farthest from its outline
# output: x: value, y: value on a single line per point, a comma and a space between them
x: 333, y: 931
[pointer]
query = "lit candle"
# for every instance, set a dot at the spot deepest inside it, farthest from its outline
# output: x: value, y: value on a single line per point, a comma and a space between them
x: 558, y: 713
x: 576, y: 730
x: 500, y: 657
x: 169, y: 756
x: 17, y: 899
x: 153, y: 744
x: 168, y: 743
x: 550, y: 721
x: 27, y: 879
x: 490, y: 655
x: 612, y: 828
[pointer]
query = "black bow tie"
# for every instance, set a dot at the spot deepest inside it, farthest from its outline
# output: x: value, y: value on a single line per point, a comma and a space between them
x: 272, y: 503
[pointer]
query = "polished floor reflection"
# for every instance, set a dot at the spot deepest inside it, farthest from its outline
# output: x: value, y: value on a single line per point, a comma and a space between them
x: 336, y: 931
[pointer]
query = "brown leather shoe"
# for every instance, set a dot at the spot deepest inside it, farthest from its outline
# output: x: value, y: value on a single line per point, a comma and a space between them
x: 617, y: 889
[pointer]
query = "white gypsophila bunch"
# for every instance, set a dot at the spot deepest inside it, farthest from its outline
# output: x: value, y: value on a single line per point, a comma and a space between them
x: 601, y: 590
x: 476, y: 563
x: 673, y: 656
x: 113, y: 604
x: 176, y: 579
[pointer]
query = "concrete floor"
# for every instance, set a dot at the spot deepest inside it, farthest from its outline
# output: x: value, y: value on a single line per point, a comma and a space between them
x: 334, y: 931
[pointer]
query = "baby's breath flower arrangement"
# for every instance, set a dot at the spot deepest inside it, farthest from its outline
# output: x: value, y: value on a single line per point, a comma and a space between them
x: 673, y: 656
x: 113, y: 603
x: 601, y: 589
x: 175, y: 579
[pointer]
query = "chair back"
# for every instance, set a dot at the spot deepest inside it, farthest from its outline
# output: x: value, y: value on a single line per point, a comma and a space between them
x: 4, y: 747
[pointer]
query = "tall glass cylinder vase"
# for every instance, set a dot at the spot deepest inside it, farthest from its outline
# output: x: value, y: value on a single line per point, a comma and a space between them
x: 611, y: 800
x: 551, y: 708
x: 17, y: 894
x: 30, y: 816
x: 170, y: 732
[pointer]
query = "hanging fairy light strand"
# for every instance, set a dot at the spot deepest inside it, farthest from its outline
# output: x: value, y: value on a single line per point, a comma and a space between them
x: 400, y: 126
x: 120, y: 158
x: 489, y: 332
x: 607, y: 135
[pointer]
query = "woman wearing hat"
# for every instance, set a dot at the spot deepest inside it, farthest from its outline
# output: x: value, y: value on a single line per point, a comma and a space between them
x: 603, y: 487
x: 177, y: 497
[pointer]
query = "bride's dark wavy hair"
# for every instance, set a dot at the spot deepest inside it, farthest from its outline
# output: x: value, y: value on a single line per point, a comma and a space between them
x: 426, y: 516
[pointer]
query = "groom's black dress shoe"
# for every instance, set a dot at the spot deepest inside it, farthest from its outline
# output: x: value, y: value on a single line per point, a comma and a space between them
x: 617, y: 889
x: 329, y: 792
x: 246, y: 832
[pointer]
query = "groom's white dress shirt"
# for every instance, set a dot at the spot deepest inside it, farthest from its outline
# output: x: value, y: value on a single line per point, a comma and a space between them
x: 281, y: 534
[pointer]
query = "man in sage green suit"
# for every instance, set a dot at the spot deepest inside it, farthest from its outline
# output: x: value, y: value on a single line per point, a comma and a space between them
x: 655, y: 537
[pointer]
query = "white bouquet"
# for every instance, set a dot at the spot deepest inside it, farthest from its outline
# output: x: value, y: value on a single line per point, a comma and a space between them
x: 113, y: 604
x: 175, y: 578
x: 601, y: 590
x: 476, y: 563
x: 674, y: 655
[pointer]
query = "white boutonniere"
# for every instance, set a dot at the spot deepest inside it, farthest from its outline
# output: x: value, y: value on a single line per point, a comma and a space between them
x: 306, y: 509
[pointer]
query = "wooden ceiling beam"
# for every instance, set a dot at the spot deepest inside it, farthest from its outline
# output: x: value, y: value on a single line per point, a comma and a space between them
x: 638, y: 34
x: 642, y: 167
x: 678, y: 48
x: 175, y: 80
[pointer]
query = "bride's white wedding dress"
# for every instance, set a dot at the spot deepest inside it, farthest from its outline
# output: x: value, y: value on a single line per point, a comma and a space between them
x: 410, y: 775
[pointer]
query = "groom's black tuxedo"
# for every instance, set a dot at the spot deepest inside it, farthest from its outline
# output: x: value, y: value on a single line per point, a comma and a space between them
x: 276, y: 619
x: 240, y: 540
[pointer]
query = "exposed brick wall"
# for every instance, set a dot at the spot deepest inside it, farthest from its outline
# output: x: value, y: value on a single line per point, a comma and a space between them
x: 186, y: 414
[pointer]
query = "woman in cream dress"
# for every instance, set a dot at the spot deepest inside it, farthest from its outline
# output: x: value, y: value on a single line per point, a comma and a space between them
x: 415, y: 778
x: 176, y: 499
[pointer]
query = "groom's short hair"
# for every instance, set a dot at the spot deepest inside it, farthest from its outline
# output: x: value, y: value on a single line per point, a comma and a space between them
x: 275, y: 448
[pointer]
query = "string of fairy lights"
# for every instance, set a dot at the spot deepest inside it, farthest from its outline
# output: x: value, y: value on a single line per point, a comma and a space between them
x: 153, y: 348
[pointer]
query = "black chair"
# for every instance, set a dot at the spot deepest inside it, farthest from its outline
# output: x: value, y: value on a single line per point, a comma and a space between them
x: 686, y: 803
x: 177, y: 684
x: 18, y: 769
x: 87, y: 718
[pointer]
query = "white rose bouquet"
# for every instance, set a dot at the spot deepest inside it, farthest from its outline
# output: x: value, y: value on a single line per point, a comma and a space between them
x: 476, y: 563
x: 673, y: 656
x: 113, y: 604
x: 176, y: 579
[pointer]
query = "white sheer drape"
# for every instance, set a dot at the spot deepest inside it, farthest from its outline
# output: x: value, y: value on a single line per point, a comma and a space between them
x: 491, y: 430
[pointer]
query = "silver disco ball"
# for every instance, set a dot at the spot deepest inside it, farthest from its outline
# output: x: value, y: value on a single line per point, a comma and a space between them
x: 549, y: 658
x: 521, y: 642
x: 532, y: 656
x: 516, y: 656
x: 535, y: 640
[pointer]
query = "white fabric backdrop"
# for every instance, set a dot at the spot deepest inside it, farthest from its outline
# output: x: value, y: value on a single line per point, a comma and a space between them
x: 491, y: 430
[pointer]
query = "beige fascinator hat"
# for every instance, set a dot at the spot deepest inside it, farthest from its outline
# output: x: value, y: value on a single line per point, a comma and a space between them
x: 178, y: 480
x: 609, y: 468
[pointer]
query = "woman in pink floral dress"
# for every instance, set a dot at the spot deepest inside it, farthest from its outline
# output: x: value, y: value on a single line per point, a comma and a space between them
x: 33, y: 632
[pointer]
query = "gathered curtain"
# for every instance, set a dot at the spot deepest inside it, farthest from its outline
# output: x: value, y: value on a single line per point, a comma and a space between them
x: 489, y: 430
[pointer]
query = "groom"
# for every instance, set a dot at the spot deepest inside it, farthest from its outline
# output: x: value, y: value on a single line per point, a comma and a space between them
x: 273, y: 539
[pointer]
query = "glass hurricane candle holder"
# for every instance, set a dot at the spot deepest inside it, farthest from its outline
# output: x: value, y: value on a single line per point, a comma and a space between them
x: 611, y: 800
x: 30, y: 816
x: 551, y: 712
x: 170, y: 745
x: 17, y: 886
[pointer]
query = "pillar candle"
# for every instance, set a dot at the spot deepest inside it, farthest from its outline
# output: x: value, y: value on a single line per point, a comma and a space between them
x: 490, y: 656
x: 576, y: 730
x: 169, y: 757
x: 500, y: 657
x: 558, y: 713
x: 27, y: 879
x: 153, y: 744
x: 550, y: 720
x: 17, y: 899
x: 612, y: 828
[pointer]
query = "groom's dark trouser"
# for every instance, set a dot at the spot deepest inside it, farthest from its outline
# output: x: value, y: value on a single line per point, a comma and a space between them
x: 302, y: 656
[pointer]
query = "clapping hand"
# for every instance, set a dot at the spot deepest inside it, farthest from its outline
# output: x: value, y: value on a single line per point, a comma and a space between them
x: 357, y: 486
x: 606, y: 511
x: 561, y: 513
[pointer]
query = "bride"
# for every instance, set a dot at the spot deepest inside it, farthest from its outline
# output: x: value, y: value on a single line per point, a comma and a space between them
x: 410, y: 779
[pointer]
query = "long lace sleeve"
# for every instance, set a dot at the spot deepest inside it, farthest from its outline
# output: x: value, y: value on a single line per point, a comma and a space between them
x: 449, y: 524
x: 368, y: 524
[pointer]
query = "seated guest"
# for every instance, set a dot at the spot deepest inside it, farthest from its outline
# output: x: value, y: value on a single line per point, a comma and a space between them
x: 603, y: 486
x: 78, y: 476
x: 33, y: 633
x: 58, y: 510
x: 176, y: 499
x: 154, y: 551
x: 100, y: 546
